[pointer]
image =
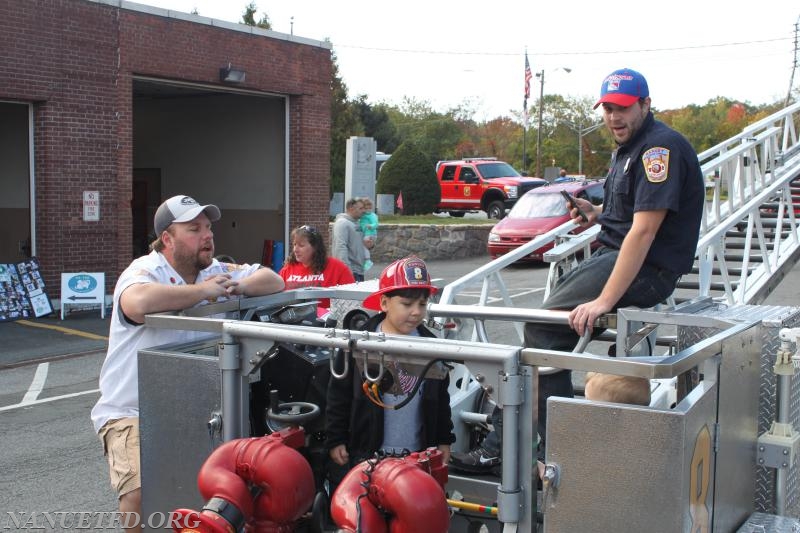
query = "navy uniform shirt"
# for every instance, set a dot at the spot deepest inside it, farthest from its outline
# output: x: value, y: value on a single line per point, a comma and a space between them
x: 656, y: 169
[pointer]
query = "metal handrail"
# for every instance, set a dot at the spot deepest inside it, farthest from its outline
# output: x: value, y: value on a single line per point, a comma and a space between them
x: 650, y: 367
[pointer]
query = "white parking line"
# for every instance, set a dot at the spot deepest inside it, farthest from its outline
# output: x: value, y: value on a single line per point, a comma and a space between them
x: 518, y: 294
x: 37, y: 384
x: 47, y: 400
x: 492, y: 299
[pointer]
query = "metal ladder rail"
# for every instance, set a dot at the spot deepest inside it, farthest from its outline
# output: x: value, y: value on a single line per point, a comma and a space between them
x: 775, y: 251
x: 479, y: 275
x: 735, y: 177
x: 774, y: 138
x: 490, y: 273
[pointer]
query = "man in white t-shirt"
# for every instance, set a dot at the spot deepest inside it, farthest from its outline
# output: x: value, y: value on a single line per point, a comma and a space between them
x: 179, y: 273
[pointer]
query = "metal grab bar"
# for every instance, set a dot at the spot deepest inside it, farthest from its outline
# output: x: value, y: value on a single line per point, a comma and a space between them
x: 542, y: 316
x: 381, y: 368
x: 344, y: 372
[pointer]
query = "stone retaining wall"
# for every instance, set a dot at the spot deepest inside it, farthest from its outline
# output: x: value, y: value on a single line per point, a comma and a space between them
x: 430, y: 241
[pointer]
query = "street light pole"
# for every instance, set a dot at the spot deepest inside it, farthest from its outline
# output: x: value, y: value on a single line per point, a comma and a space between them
x: 581, y: 133
x: 539, y: 75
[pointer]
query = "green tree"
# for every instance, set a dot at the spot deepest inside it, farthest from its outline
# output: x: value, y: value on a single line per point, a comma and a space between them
x: 345, y: 122
x: 411, y: 174
x: 249, y: 17
x: 436, y: 134
x: 378, y: 124
x: 565, y: 141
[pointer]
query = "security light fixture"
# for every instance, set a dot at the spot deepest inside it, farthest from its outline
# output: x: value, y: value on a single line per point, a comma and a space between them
x: 231, y: 75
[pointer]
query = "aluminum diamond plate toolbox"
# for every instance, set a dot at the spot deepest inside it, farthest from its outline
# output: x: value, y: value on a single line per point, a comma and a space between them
x: 772, y: 319
x: 767, y: 523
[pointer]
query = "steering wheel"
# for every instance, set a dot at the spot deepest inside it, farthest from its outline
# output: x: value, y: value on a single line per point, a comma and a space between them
x: 293, y: 413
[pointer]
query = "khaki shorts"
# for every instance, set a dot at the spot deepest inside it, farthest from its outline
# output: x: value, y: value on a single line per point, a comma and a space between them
x: 120, y: 440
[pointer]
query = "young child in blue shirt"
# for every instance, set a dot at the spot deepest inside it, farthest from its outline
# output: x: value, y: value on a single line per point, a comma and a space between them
x: 369, y: 229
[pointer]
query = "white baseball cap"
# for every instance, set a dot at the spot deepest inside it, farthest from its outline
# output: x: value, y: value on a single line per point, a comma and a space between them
x: 182, y: 209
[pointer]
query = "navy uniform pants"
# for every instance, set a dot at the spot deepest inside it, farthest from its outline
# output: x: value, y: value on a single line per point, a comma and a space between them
x: 580, y: 285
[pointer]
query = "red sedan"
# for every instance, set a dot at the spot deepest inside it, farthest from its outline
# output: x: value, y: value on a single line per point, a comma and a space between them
x: 536, y: 213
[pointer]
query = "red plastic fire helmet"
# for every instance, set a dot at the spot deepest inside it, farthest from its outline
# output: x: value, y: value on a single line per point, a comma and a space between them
x: 407, y: 273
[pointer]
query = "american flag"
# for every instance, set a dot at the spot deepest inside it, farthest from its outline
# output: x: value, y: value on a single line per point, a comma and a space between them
x: 527, y: 79
x: 527, y: 87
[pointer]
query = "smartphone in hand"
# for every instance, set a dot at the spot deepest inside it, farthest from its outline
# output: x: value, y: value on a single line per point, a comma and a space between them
x: 574, y: 205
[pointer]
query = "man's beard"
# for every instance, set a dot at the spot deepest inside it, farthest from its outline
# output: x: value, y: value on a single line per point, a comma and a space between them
x: 193, y: 261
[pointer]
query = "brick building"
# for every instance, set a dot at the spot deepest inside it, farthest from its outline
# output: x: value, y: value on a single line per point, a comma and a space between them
x: 130, y: 105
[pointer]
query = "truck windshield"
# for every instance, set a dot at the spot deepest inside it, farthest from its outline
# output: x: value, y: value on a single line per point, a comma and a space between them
x: 496, y: 170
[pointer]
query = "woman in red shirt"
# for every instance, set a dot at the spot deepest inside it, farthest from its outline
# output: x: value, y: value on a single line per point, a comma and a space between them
x: 308, y: 265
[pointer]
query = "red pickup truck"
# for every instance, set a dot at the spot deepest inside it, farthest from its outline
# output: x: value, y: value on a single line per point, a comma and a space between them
x: 481, y: 184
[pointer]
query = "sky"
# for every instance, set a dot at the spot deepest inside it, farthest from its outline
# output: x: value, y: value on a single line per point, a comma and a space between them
x: 472, y: 53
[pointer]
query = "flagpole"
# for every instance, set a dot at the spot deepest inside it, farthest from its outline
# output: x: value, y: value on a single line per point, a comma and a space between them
x: 525, y: 114
x: 524, y: 143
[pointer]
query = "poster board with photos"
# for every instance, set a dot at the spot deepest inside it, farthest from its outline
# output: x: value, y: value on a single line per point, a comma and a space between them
x: 22, y: 292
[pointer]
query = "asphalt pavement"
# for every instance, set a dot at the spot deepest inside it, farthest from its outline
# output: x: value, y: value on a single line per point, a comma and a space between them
x: 42, y: 339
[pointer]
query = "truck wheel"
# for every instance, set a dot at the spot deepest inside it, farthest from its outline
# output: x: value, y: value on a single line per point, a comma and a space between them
x: 457, y: 214
x: 496, y: 210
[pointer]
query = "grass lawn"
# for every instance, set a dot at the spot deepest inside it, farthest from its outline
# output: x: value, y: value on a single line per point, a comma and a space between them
x: 435, y: 219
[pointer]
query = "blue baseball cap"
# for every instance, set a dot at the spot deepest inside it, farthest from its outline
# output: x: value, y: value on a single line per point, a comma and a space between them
x: 623, y: 87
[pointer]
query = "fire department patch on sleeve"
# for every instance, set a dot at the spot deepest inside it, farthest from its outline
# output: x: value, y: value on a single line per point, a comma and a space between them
x: 656, y: 164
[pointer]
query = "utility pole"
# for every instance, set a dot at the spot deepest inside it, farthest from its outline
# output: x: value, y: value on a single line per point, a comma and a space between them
x: 539, y: 75
x: 581, y: 133
x: 794, y: 64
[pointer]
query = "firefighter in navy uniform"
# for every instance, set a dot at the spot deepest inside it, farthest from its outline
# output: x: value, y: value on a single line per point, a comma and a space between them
x: 650, y: 219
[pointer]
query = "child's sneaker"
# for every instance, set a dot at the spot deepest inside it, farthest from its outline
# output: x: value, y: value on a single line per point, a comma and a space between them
x: 367, y: 265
